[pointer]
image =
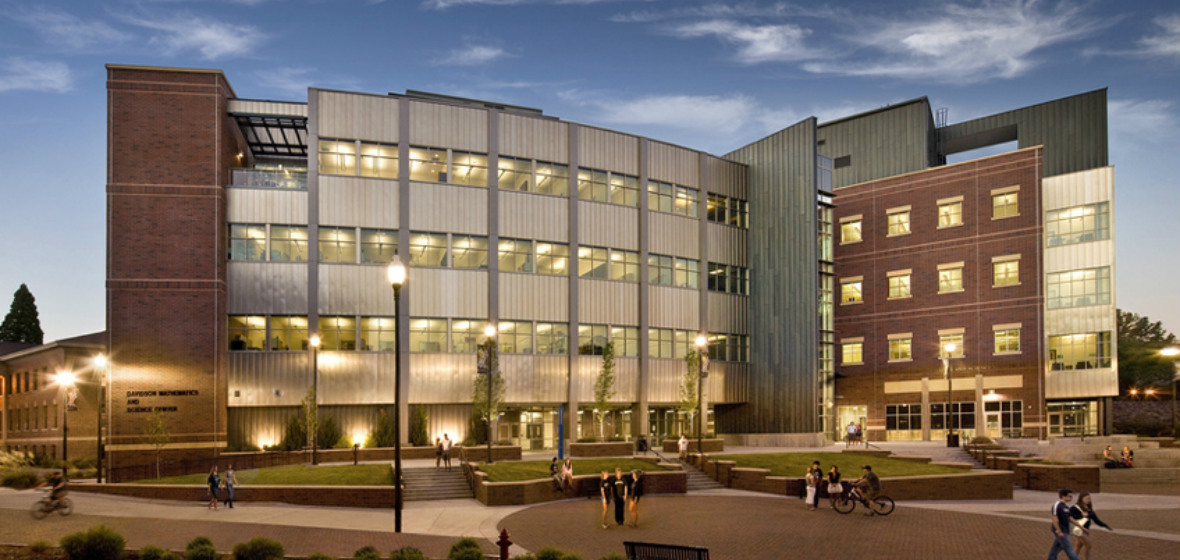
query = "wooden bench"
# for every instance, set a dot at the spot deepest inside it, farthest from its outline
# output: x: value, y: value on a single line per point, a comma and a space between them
x: 652, y: 551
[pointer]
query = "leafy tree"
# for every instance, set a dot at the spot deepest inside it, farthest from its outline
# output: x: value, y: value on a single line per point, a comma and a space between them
x: 604, y: 388
x: 295, y: 436
x: 157, y: 434
x: 690, y: 401
x: 329, y: 433
x: 22, y: 324
x: 1140, y: 363
x: 384, y: 435
x: 311, y: 422
x: 418, y: 419
x: 488, y: 409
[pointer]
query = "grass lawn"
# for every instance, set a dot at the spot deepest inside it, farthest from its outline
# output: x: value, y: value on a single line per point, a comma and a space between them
x: 795, y: 465
x: 514, y: 471
x: 298, y: 475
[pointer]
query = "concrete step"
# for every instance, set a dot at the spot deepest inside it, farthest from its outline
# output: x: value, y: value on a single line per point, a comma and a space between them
x: 698, y: 480
x: 435, y: 484
x: 1140, y: 475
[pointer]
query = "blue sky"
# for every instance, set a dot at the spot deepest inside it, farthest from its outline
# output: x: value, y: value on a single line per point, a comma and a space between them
x: 707, y: 75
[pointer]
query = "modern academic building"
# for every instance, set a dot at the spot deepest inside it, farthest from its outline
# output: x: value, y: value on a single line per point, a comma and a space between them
x: 239, y: 228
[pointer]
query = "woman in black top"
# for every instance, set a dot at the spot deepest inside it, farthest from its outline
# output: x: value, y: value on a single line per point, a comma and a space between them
x: 634, y: 491
x: 214, y: 482
x: 1083, y: 511
x: 835, y: 489
x: 606, y: 488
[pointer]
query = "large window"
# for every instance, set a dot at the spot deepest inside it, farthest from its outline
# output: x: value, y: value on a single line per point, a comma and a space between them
x: 337, y: 333
x: 850, y: 230
x: 469, y: 251
x: 337, y: 244
x: 659, y: 343
x: 624, y: 189
x: 1080, y: 351
x: 515, y: 173
x: 729, y: 279
x: 288, y: 332
x: 516, y: 255
x: 1007, y: 338
x: 688, y: 273
x: 898, y: 220
x: 660, y: 196
x: 467, y: 334
x: 553, y: 338
x: 288, y: 243
x: 553, y: 258
x: 469, y: 168
x: 337, y: 157
x: 1004, y: 203
x: 1078, y: 288
x: 428, y: 335
x: 730, y: 211
x: 851, y: 290
x: 852, y: 351
x: 624, y: 265
x: 592, y: 185
x: 687, y: 201
x: 428, y: 164
x: 950, y: 212
x: 1078, y: 224
x: 378, y: 246
x: 900, y: 348
x: 592, y: 262
x: 903, y: 418
x: 626, y: 341
x: 428, y: 249
x: 1011, y: 417
x: 1006, y: 270
x: 247, y: 242
x: 899, y: 284
x: 591, y: 339
x: 378, y: 333
x: 950, y: 278
x: 739, y: 213
x: 247, y: 332
x: 659, y: 269
x: 553, y: 178
x: 729, y: 347
x: 379, y: 160
x: 515, y: 337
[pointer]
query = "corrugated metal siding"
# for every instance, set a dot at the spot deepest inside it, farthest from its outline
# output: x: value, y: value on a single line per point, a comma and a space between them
x: 1084, y: 384
x: 729, y: 382
x: 447, y: 419
x: 626, y: 378
x: 1098, y: 318
x: 608, y: 225
x: 534, y: 297
x: 448, y: 126
x: 260, y: 426
x: 351, y: 289
x: 355, y: 201
x: 356, y: 377
x: 440, y: 292
x: 1075, y: 189
x: 535, y: 379
x: 881, y: 144
x: 674, y: 165
x: 674, y: 308
x: 441, y: 378
x: 265, y: 206
x: 726, y: 178
x: 446, y: 208
x: 784, y: 282
x: 727, y: 244
x: 534, y: 138
x: 666, y: 377
x: 257, y: 288
x: 728, y: 313
x: 357, y: 116
x: 674, y: 235
x: 611, y: 151
x: 530, y: 216
x: 268, y: 378
x: 608, y: 302
x: 258, y: 107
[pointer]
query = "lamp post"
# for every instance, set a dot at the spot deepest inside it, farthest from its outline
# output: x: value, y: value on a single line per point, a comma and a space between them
x: 951, y: 440
x: 702, y: 368
x: 101, y: 364
x: 1172, y: 352
x: 397, y: 277
x: 315, y: 395
x: 485, y: 365
x: 66, y: 381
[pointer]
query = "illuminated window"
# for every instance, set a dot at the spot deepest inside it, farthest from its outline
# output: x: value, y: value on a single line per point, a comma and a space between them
x: 624, y: 265
x: 378, y: 334
x: 1006, y: 270
x: 739, y: 213
x: 469, y: 251
x: 553, y: 178
x: 288, y: 333
x: 899, y: 284
x: 716, y: 208
x: 659, y: 269
x: 428, y: 164
x: 428, y: 335
x: 850, y: 230
x: 950, y: 212
x: 247, y: 242
x: 660, y: 196
x: 687, y: 202
x: 337, y: 244
x: 852, y: 351
x: 729, y: 279
x: 553, y: 258
x: 515, y: 173
x: 898, y: 221
x: 1078, y: 288
x: 515, y: 337
x: 687, y: 273
x: 288, y: 243
x: 337, y: 157
x: 1078, y: 224
x: 950, y: 278
x: 951, y: 336
x: 1007, y: 339
x: 428, y: 249
x: 1080, y: 351
x: 626, y: 340
x: 624, y: 189
x: 247, y: 332
x: 659, y: 343
x: 379, y: 160
x: 553, y: 338
x: 469, y: 168
x: 850, y: 290
x: 378, y: 246
x: 899, y: 348
x: 467, y: 335
x: 591, y: 339
x: 337, y: 333
x: 1004, y: 203
x: 516, y: 255
x: 592, y: 185
x: 592, y: 262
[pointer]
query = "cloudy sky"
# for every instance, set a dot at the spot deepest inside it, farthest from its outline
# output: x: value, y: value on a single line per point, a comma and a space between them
x: 707, y: 75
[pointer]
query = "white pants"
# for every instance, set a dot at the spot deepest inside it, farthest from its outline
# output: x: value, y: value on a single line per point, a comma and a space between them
x: 810, y: 495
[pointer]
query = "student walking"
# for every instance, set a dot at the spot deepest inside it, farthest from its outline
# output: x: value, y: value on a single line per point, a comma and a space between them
x: 214, y: 482
x: 1061, y: 525
x: 1083, y: 515
x: 229, y: 481
x: 682, y: 446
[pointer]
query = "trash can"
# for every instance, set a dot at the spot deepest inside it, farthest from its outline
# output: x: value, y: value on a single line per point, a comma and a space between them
x: 641, y: 444
x: 952, y: 439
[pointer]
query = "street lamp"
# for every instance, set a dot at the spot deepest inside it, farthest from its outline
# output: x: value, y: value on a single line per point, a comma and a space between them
x: 1173, y: 352
x: 702, y: 368
x: 101, y: 363
x: 315, y: 395
x: 66, y: 381
x: 397, y: 277
x: 951, y: 439
x: 485, y: 365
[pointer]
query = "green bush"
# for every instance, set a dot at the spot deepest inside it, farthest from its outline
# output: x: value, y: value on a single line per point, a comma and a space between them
x: 202, y: 552
x: 295, y: 435
x: 328, y: 433
x: 96, y: 543
x: 259, y: 548
x: 12, y: 459
x: 20, y: 480
x: 320, y: 556
x: 366, y: 553
x: 407, y: 553
x: 383, y: 435
x: 198, y: 542
x: 154, y: 553
x: 549, y: 553
x: 39, y: 548
x: 465, y: 548
x: 418, y: 418
x: 981, y: 440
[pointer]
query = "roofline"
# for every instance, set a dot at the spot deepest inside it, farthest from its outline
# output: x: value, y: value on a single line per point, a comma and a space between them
x: 923, y: 99
x: 944, y: 166
x: 177, y: 70
x: 48, y: 347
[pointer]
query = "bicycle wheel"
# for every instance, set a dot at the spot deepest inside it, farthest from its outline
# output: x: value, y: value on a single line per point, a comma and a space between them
x: 883, y: 505
x: 39, y: 510
x: 65, y: 507
x: 844, y: 504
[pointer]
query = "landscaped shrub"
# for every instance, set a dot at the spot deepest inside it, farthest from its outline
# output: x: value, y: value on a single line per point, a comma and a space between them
x: 96, y: 543
x: 295, y: 436
x: 366, y: 553
x: 12, y: 459
x: 549, y: 553
x: 981, y: 440
x: 407, y: 553
x: 328, y: 433
x: 320, y: 556
x: 259, y: 548
x: 156, y: 553
x: 383, y: 435
x: 200, y: 548
x: 39, y: 548
x: 20, y: 480
x: 198, y: 542
x: 465, y: 548
x: 418, y: 418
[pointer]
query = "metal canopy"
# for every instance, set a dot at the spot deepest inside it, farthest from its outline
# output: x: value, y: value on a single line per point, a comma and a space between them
x: 270, y: 135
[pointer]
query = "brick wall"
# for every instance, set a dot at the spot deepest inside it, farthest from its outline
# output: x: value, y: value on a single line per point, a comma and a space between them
x: 334, y: 496
x: 537, y: 491
x: 711, y: 445
x: 1050, y: 478
x: 606, y: 449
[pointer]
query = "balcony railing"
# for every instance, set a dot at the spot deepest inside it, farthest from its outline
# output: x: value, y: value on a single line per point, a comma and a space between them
x: 267, y: 179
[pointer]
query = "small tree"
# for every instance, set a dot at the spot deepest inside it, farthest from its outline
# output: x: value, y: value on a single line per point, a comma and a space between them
x: 311, y: 422
x: 157, y: 434
x: 418, y: 419
x: 384, y: 435
x: 329, y: 433
x: 22, y: 323
x: 485, y: 409
x: 604, y: 388
x: 690, y: 401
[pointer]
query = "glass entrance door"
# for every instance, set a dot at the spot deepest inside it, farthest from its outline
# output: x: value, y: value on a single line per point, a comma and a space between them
x: 1055, y: 424
x: 991, y: 422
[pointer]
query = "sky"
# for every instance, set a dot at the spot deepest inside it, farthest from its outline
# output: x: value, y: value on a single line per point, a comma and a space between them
x: 712, y: 76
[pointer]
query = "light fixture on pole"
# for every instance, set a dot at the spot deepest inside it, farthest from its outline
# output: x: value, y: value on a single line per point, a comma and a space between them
x: 702, y: 371
x: 397, y: 277
x: 314, y: 342
x: 1173, y: 352
x: 102, y: 365
x: 485, y: 364
x: 951, y: 440
x: 66, y: 381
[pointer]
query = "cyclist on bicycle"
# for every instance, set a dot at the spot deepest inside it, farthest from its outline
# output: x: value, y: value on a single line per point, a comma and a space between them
x: 57, y: 487
x: 869, y: 486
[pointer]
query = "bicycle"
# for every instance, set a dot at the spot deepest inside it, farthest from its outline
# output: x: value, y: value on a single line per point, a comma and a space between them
x: 881, y: 505
x: 46, y: 505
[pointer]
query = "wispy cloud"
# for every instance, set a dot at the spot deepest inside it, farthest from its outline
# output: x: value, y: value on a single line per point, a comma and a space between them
x: 1146, y: 120
x: 21, y: 74
x: 444, y: 4
x: 472, y: 55
x: 724, y: 114
x: 995, y: 39
x: 755, y: 43
x: 62, y: 29
x: 294, y: 81
x: 1166, y: 42
x: 211, y: 38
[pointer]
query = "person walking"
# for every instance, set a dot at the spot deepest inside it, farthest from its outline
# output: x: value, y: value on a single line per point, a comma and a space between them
x: 1061, y: 524
x: 634, y: 492
x: 620, y: 497
x: 835, y: 487
x: 446, y: 449
x: 1083, y: 515
x: 682, y: 446
x: 214, y: 481
x: 605, y: 491
x: 229, y: 481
